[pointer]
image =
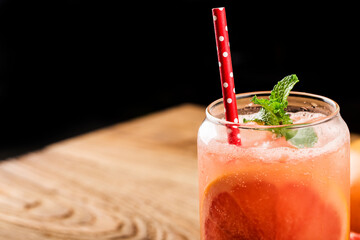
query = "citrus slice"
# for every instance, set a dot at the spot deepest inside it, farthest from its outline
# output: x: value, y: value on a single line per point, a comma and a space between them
x: 241, y: 207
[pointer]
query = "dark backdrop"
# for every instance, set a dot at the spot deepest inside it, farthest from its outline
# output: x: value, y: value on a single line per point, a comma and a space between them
x: 68, y: 67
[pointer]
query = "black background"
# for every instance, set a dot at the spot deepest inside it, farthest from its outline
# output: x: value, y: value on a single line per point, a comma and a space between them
x: 68, y: 67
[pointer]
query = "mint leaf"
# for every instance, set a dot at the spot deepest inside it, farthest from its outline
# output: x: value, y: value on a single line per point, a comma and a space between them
x: 267, y: 113
x: 289, y: 133
x: 273, y: 113
x: 304, y: 137
x: 282, y: 89
x: 273, y: 109
x: 253, y: 120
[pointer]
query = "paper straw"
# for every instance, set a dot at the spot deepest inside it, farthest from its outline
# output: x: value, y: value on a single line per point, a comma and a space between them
x: 226, y: 72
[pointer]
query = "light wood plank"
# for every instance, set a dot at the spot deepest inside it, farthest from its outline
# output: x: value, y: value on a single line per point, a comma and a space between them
x: 134, y: 180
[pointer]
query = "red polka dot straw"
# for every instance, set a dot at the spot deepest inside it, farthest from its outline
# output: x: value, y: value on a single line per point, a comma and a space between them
x: 226, y: 72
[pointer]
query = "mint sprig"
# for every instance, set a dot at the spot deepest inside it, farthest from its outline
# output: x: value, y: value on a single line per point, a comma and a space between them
x: 273, y: 112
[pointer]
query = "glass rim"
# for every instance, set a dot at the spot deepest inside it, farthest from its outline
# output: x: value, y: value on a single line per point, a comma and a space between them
x: 327, y: 100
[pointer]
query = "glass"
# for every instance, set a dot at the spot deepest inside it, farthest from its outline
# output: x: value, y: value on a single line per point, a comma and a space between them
x: 268, y: 188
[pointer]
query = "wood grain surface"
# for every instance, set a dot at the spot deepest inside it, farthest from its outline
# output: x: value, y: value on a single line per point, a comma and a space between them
x: 133, y: 180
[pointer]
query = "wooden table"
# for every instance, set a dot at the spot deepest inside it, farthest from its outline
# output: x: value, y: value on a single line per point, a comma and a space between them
x: 133, y: 180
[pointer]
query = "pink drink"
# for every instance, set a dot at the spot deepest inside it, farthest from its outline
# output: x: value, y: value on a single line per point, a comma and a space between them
x: 268, y: 188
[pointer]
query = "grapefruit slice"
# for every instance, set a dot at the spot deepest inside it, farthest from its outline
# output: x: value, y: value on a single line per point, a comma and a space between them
x: 239, y: 207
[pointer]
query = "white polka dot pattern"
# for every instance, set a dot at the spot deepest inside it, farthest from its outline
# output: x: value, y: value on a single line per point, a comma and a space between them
x: 226, y: 72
